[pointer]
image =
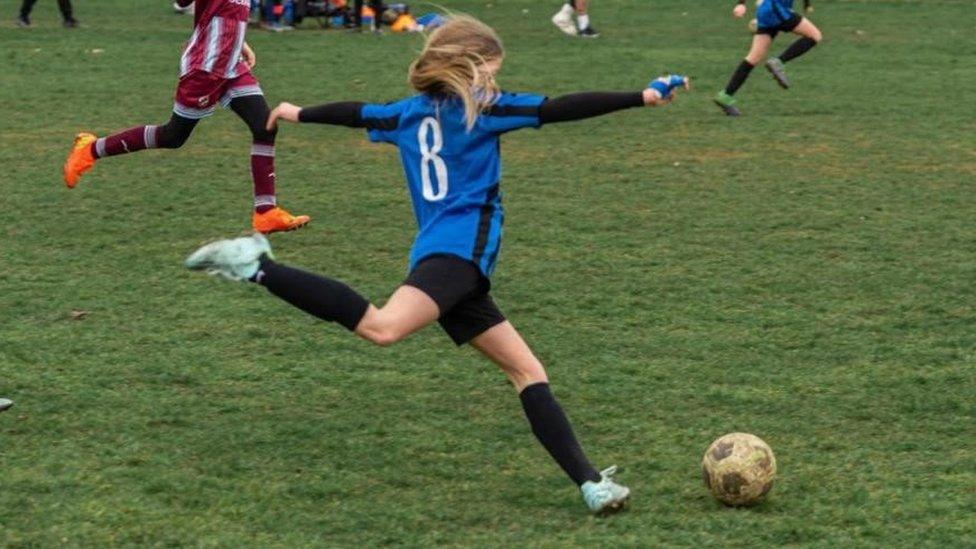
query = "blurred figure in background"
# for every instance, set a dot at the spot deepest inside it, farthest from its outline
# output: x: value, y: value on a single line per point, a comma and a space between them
x: 23, y: 20
x: 183, y: 10
x: 564, y: 19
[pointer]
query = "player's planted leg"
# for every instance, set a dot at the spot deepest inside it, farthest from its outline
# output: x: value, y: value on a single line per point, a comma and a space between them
x: 503, y: 345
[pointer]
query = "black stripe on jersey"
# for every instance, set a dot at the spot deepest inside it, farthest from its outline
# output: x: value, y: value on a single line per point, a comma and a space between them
x: 484, y: 225
x: 390, y: 123
x: 513, y: 110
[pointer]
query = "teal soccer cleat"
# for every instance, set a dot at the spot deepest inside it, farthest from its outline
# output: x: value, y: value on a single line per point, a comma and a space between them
x: 606, y: 496
x: 236, y: 259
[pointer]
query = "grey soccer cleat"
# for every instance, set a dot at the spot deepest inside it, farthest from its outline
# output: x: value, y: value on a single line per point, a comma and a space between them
x: 5, y: 403
x: 606, y: 496
x: 236, y: 259
x: 778, y: 70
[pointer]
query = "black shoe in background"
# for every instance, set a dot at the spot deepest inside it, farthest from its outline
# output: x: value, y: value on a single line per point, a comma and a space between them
x: 589, y: 32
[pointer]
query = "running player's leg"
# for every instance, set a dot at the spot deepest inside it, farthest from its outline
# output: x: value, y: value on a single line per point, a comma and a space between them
x: 249, y: 104
x: 88, y: 148
x: 810, y: 36
x: 23, y: 18
x: 196, y: 98
x: 757, y: 52
x: 583, y: 20
x: 503, y: 345
x: 66, y: 14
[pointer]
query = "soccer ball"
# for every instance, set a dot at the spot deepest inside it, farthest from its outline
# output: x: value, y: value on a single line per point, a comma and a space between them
x: 739, y: 469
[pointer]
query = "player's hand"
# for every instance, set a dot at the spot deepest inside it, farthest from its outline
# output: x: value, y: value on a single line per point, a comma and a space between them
x: 808, y: 9
x: 739, y: 11
x: 284, y: 111
x: 248, y: 55
x: 660, y: 91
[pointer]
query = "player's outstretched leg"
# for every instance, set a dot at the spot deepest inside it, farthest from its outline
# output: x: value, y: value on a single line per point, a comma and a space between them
x: 268, y: 216
x: 249, y: 258
x: 503, y: 345
x: 87, y: 148
x: 809, y: 37
x: 725, y: 99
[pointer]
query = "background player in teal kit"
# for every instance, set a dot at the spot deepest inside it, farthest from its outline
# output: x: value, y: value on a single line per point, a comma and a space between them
x: 448, y: 138
x: 772, y: 16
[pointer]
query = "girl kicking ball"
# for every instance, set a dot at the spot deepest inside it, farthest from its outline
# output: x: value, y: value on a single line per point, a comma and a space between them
x: 772, y: 16
x: 448, y: 138
x: 215, y: 68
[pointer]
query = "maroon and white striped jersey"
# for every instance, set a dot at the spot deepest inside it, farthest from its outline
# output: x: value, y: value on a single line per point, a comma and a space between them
x: 218, y: 38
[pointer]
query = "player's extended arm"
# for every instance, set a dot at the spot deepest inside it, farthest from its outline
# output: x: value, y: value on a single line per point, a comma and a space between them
x: 578, y: 106
x: 344, y: 113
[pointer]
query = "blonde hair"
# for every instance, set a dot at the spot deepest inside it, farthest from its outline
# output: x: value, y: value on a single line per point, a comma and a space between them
x: 452, y: 62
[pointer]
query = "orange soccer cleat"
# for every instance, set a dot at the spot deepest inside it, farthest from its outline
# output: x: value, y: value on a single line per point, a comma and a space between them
x: 80, y: 159
x: 277, y: 219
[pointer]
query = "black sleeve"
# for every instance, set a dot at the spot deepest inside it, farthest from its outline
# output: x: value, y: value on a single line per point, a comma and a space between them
x: 577, y: 106
x: 345, y: 113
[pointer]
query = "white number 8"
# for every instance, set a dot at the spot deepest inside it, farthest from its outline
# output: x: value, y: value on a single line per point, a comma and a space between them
x: 428, y: 154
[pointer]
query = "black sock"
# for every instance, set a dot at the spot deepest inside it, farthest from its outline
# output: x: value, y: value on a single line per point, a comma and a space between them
x: 739, y: 77
x: 798, y: 48
x: 323, y: 297
x: 553, y: 430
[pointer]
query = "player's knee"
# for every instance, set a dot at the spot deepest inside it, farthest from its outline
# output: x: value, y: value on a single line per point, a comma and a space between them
x: 385, y: 337
x: 170, y: 137
x: 755, y: 57
x: 381, y: 331
x: 262, y: 134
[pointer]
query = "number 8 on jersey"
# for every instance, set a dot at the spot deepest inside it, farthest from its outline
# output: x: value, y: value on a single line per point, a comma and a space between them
x: 428, y: 156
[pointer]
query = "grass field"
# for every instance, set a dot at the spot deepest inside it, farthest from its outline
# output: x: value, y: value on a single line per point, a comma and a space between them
x: 804, y: 273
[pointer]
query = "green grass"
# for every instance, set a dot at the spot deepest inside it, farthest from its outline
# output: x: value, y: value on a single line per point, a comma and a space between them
x: 804, y: 273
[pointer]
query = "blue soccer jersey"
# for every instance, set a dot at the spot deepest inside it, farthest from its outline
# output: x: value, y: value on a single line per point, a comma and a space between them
x: 773, y: 13
x: 452, y: 173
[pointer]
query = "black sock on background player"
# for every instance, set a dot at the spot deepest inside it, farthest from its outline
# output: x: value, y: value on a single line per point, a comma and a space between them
x: 739, y: 77
x: 797, y: 48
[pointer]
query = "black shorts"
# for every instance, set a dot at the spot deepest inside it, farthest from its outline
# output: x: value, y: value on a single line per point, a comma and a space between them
x: 786, y: 26
x: 461, y: 294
